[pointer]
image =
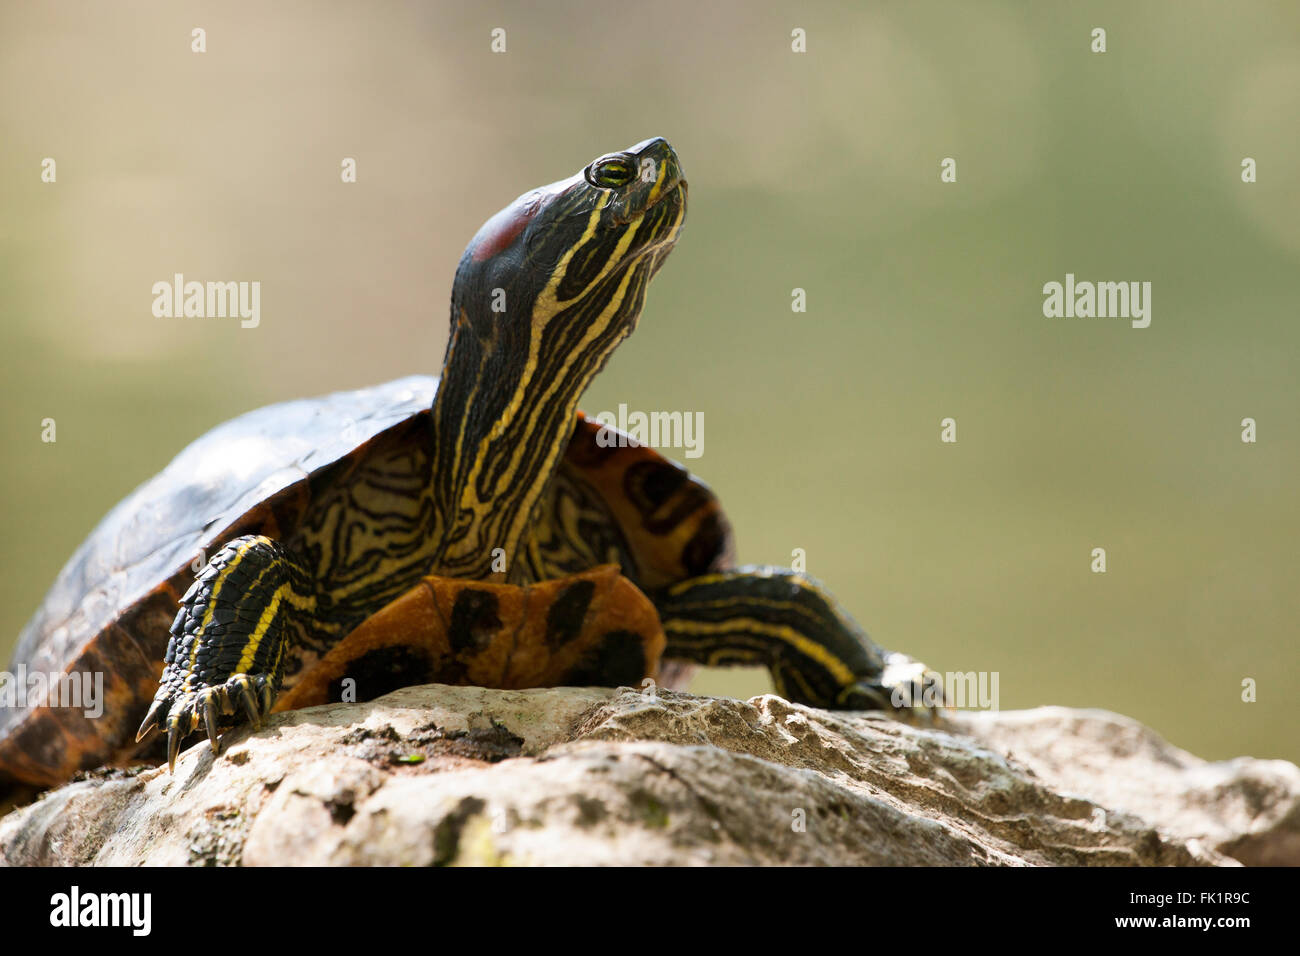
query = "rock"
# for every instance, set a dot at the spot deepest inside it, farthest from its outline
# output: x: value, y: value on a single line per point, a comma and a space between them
x: 1246, y: 809
x: 437, y: 775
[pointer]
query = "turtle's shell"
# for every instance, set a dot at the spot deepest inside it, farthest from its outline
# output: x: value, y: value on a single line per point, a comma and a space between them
x: 111, y: 606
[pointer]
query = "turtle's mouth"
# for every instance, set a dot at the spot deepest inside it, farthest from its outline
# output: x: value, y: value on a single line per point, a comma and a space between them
x: 665, y: 216
x: 676, y: 194
x: 672, y: 197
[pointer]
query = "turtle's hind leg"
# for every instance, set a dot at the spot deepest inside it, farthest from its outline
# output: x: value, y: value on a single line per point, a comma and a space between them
x: 780, y: 619
x: 229, y: 642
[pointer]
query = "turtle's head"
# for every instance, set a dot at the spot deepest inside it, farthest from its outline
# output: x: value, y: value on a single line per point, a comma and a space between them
x: 569, y: 263
x: 544, y: 294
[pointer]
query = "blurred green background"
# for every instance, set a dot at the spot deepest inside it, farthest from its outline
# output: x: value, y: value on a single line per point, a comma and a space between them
x: 817, y: 170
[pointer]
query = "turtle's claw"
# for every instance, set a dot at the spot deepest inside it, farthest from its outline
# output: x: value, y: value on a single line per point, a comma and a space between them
x: 173, y: 747
x: 180, y: 722
x: 242, y: 684
x: 241, y: 697
x: 211, y: 710
x: 156, y: 712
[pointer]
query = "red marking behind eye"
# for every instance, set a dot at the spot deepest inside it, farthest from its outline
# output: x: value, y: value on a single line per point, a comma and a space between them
x: 503, y: 229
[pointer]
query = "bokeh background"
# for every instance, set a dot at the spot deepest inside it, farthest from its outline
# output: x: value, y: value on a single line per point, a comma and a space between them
x: 817, y: 170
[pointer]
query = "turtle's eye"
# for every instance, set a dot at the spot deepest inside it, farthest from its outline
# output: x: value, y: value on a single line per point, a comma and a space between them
x: 610, y: 172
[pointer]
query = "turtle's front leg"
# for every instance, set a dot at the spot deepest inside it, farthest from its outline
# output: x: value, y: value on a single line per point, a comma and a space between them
x: 816, y: 653
x: 230, y: 640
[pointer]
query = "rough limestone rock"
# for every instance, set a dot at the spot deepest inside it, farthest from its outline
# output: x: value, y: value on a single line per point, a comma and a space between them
x: 437, y: 775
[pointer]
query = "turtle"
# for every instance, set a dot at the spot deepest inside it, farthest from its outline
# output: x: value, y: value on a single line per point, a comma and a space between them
x: 473, y: 528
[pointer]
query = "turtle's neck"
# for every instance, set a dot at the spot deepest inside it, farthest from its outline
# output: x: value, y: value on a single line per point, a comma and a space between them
x: 501, y: 419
